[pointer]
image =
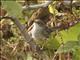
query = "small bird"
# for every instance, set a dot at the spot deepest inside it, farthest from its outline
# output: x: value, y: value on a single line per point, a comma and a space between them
x: 38, y: 30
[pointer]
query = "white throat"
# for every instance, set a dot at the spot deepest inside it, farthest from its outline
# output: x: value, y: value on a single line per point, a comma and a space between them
x: 35, y: 25
x: 35, y: 31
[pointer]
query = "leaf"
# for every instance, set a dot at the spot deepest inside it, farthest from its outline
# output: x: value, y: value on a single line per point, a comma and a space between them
x: 13, y: 8
x: 70, y: 35
x: 52, y: 43
x: 52, y: 9
x: 78, y: 37
x: 69, y: 46
x: 76, y: 54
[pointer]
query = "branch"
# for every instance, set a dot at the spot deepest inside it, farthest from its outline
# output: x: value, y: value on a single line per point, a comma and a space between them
x: 45, y: 4
x: 61, y: 26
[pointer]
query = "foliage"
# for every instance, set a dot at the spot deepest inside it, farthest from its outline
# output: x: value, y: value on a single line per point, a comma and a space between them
x: 71, y: 46
x: 16, y: 48
x: 70, y: 34
x: 13, y: 8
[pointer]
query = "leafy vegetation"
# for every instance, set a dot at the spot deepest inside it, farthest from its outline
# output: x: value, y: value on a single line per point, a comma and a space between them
x: 60, y: 41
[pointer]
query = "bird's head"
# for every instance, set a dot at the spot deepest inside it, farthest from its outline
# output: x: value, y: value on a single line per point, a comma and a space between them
x: 39, y: 22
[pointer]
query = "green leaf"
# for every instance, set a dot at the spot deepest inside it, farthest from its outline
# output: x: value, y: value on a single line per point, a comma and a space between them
x: 70, y: 35
x: 13, y: 8
x: 76, y: 54
x: 52, y: 43
x: 78, y: 37
x: 69, y: 46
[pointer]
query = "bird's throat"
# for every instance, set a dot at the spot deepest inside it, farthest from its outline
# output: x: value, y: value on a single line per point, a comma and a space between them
x: 36, y: 26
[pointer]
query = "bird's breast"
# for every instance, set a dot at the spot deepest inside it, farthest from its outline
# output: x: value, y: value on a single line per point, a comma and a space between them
x: 36, y: 32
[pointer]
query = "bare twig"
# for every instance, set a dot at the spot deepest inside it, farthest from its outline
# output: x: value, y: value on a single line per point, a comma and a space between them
x: 60, y: 26
x: 45, y: 4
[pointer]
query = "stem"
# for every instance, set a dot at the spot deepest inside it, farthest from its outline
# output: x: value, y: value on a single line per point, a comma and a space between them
x: 45, y: 4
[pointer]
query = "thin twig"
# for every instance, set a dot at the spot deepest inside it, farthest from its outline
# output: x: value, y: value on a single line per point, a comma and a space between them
x: 45, y: 4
